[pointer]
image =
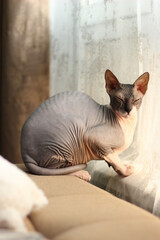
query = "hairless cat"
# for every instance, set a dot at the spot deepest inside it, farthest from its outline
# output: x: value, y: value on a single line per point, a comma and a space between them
x: 70, y: 129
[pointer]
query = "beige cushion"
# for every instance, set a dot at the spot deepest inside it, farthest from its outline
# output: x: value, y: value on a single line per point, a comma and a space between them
x: 29, y: 224
x: 79, y: 210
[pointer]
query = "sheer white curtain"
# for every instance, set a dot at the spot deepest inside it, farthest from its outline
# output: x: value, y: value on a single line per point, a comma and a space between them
x: 89, y: 36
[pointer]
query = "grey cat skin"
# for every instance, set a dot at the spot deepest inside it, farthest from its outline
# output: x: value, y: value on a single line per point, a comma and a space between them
x: 70, y: 129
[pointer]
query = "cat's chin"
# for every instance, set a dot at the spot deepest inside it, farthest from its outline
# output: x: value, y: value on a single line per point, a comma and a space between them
x: 120, y: 114
x: 125, y: 114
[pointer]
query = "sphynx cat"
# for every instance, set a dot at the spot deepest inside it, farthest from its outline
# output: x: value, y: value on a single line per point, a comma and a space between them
x: 70, y: 129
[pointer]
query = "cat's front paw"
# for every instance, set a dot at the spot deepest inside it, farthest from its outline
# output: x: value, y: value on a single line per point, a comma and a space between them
x: 129, y: 171
x: 126, y: 171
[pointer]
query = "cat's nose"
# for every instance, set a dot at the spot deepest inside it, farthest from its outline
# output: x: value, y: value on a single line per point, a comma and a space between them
x: 128, y: 108
x: 128, y: 111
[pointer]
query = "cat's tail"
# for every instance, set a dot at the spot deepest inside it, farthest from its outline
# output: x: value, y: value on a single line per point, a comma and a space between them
x: 33, y: 167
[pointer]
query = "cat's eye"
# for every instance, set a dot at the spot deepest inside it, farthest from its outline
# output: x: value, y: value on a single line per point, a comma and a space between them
x: 137, y: 101
x: 119, y: 99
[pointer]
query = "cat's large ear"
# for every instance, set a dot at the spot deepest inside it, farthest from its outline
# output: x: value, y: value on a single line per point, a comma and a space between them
x: 112, y: 82
x: 142, y: 82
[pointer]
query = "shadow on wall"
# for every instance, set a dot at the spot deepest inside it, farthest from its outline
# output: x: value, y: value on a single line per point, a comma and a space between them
x: 25, y: 68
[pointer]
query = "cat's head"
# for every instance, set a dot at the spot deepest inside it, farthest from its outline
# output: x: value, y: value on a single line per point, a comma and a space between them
x: 123, y: 97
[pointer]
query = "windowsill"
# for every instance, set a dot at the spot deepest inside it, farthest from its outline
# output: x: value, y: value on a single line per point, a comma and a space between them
x: 139, y: 188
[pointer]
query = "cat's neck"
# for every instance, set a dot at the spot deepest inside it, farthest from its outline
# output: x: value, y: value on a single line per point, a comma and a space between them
x: 114, y: 117
x: 129, y: 121
x: 128, y: 125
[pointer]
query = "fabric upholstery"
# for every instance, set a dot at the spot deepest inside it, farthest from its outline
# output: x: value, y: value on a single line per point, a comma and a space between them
x: 79, y: 210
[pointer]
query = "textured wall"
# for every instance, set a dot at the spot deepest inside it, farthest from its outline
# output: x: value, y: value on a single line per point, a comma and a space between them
x: 25, y: 76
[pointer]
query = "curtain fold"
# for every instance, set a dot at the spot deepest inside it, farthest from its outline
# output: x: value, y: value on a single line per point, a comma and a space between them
x: 25, y: 68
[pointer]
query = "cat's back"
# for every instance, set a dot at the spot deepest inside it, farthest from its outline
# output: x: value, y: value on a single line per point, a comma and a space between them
x: 63, y: 106
x: 71, y: 103
x: 60, y: 113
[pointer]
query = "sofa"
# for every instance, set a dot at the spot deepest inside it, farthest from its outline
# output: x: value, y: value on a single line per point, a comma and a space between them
x: 79, y: 210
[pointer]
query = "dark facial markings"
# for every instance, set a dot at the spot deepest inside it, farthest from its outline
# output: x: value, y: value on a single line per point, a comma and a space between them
x: 123, y: 100
x: 124, y: 96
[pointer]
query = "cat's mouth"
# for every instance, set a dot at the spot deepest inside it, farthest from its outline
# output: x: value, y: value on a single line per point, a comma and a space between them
x: 126, y: 114
x: 123, y: 114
